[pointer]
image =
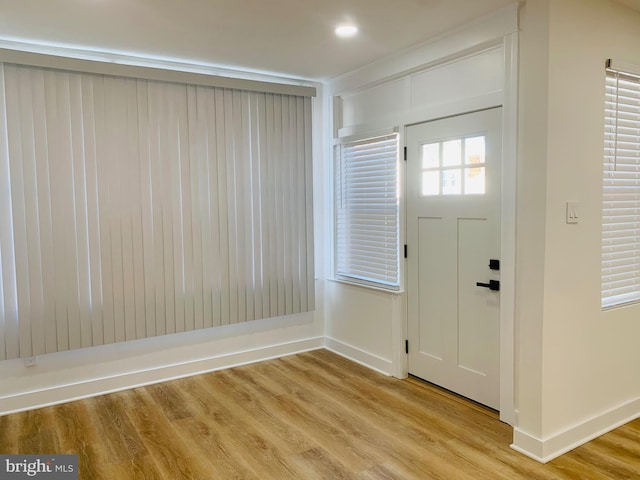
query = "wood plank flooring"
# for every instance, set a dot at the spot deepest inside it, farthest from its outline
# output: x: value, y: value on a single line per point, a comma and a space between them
x: 314, y: 415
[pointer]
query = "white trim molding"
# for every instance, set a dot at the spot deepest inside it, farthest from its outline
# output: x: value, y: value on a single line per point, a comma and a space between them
x: 379, y: 364
x: 91, y: 387
x: 508, y: 232
x: 81, y: 373
x: 546, y: 449
x: 484, y: 32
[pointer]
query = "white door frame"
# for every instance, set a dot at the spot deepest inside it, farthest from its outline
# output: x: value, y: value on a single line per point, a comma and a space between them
x: 508, y: 100
x: 508, y: 372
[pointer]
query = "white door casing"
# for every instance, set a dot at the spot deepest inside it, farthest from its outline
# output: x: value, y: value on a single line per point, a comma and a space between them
x: 453, y: 231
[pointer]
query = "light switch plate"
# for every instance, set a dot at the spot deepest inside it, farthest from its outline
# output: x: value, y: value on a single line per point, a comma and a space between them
x: 573, y: 212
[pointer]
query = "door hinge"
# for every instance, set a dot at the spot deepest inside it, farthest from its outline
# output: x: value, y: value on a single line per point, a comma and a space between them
x: 406, y: 346
x: 405, y: 153
x: 405, y: 250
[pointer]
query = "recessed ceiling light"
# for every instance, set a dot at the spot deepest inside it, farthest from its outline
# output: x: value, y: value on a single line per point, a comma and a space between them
x: 346, y: 30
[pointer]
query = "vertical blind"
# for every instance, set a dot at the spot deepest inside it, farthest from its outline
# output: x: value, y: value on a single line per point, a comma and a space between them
x: 367, y: 211
x: 621, y: 190
x: 131, y: 208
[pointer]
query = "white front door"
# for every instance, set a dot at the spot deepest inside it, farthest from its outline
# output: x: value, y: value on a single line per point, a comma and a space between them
x: 453, y: 238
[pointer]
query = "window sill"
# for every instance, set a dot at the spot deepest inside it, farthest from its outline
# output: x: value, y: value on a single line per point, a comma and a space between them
x: 400, y: 291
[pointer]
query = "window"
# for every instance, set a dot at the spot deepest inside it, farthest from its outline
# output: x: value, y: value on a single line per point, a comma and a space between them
x: 454, y: 167
x: 132, y: 207
x: 621, y: 189
x: 367, y: 210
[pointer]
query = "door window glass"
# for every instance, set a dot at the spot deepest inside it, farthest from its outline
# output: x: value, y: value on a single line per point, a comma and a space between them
x: 454, y: 167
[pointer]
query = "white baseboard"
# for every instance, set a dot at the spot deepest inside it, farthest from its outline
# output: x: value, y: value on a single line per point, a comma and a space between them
x: 357, y: 355
x: 545, y: 450
x: 57, y: 394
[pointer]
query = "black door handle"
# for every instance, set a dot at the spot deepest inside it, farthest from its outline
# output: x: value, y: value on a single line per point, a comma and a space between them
x: 492, y: 285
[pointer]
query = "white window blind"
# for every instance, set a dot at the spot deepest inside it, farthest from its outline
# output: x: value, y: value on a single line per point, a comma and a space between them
x: 131, y: 208
x: 621, y: 190
x: 366, y: 217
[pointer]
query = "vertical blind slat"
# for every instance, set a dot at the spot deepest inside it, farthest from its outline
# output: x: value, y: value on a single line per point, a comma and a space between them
x: 197, y: 320
x: 31, y: 210
x: 280, y: 206
x: 309, y: 207
x: 262, y: 197
x: 253, y: 185
x: 210, y: 239
x: 19, y: 216
x: 8, y: 312
x: 129, y: 254
x: 269, y: 201
x: 299, y: 249
x: 9, y: 294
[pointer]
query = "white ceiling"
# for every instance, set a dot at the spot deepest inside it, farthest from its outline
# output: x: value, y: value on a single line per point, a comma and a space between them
x: 287, y: 37
x: 290, y: 37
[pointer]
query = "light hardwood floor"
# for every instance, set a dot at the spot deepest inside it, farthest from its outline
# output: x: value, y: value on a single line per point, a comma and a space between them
x: 309, y: 416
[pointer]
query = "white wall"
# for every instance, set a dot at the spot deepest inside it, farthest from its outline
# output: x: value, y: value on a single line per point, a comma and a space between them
x: 578, y: 366
x: 425, y: 93
x: 531, y: 213
x: 359, y: 324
